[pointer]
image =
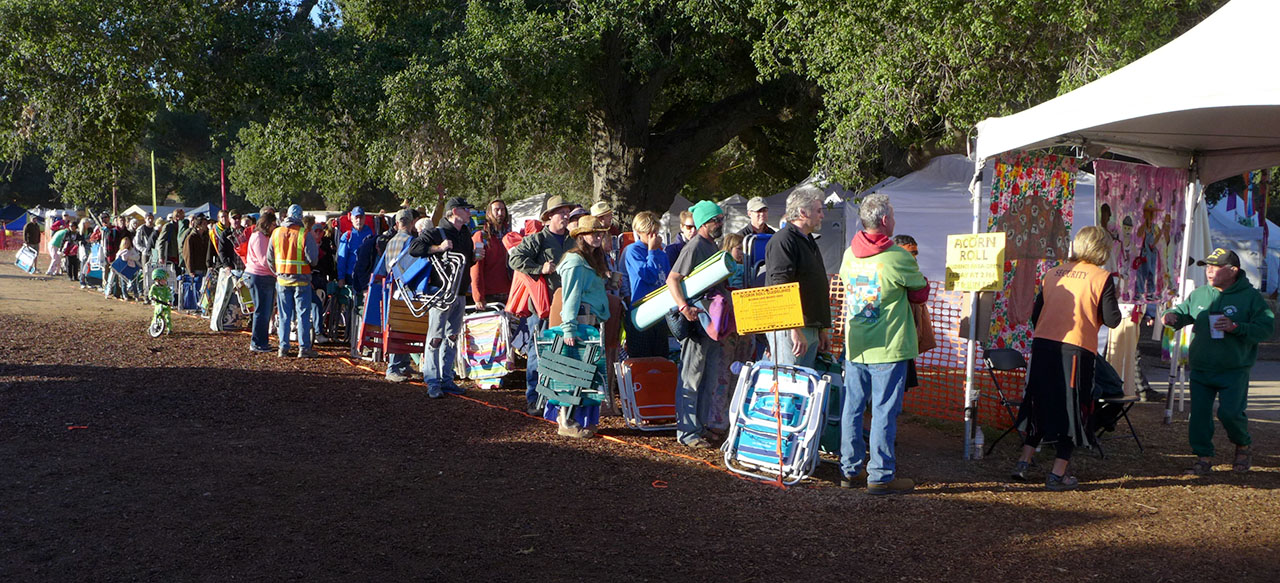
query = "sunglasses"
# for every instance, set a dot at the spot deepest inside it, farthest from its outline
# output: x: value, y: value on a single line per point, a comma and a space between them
x: 689, y: 226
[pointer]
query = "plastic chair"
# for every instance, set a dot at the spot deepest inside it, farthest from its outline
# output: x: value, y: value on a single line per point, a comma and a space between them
x: 1004, y: 359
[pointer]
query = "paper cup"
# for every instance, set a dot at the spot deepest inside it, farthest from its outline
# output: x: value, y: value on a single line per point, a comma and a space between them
x: 1214, y: 332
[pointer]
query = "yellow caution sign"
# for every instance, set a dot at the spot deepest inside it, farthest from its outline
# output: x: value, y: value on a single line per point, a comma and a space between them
x: 975, y: 262
x: 764, y: 309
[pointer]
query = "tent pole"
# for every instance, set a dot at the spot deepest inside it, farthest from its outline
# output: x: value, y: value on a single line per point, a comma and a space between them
x: 971, y: 395
x: 1193, y: 195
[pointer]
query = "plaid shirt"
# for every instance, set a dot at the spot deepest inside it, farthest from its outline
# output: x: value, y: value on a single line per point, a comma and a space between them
x: 394, y: 247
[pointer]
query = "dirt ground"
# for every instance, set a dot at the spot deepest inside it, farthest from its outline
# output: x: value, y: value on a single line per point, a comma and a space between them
x: 189, y: 458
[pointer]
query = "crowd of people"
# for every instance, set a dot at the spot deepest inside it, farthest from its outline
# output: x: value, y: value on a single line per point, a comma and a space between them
x: 591, y: 273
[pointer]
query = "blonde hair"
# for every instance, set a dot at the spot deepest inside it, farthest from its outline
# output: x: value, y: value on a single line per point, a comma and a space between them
x: 1092, y: 245
x: 645, y: 222
x: 685, y: 215
x: 730, y: 241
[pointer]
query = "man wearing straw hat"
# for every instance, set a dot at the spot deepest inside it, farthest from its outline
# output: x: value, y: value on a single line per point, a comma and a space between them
x: 537, y: 256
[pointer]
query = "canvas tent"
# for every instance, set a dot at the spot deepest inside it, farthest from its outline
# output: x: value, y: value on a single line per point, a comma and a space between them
x: 1203, y: 102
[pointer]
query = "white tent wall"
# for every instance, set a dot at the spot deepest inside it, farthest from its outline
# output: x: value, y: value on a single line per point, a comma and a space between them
x: 525, y: 209
x: 1227, y: 232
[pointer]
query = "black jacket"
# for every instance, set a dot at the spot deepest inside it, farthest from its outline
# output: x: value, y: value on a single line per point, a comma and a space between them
x: 461, y: 244
x: 792, y: 256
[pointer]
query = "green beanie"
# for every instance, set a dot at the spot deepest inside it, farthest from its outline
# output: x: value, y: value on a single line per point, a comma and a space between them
x: 705, y: 211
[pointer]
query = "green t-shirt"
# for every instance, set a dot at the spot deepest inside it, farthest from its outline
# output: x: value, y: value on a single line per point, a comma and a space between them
x: 879, y: 327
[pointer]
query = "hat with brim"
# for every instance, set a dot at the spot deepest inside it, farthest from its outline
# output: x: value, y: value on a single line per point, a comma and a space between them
x: 756, y: 204
x: 601, y: 209
x: 457, y: 202
x: 554, y: 203
x: 578, y: 212
x: 1221, y: 258
x: 588, y: 224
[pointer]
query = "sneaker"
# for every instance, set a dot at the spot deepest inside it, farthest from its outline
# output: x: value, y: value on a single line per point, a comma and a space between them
x: 322, y: 339
x: 574, y: 432
x: 453, y: 389
x: 699, y: 443
x: 308, y: 353
x: 1056, y: 483
x: 848, y: 482
x: 897, y: 486
x: 1019, y: 472
x: 534, y: 410
x: 434, y: 392
x: 282, y: 352
x: 253, y: 348
x: 396, y: 377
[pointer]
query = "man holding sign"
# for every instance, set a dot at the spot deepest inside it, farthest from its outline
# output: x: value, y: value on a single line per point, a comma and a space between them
x: 881, y: 280
x: 793, y: 256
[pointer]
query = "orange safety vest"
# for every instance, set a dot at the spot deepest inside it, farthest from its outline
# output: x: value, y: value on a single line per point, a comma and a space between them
x: 1071, y: 293
x: 289, y: 245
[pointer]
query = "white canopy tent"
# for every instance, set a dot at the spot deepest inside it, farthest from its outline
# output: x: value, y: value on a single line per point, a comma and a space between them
x: 1204, y: 101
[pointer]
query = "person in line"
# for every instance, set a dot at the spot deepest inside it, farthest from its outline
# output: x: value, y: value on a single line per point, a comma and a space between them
x: 57, y: 240
x: 348, y: 249
x: 582, y: 273
x: 1076, y: 299
x: 222, y: 243
x: 31, y: 237
x: 441, y: 351
x: 880, y: 281
x: 293, y: 253
x: 262, y: 281
x: 919, y: 312
x: 71, y: 248
x: 118, y: 285
x: 144, y: 239
x: 687, y: 233
x: 195, y: 249
x: 537, y: 256
x: 491, y: 275
x: 792, y: 256
x: 397, y: 363
x: 165, y: 249
x: 699, y: 355
x: 647, y: 267
x: 83, y: 253
x: 758, y: 215
x: 1228, y: 319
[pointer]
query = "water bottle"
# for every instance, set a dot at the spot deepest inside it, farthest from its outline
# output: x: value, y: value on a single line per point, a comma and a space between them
x: 979, y: 442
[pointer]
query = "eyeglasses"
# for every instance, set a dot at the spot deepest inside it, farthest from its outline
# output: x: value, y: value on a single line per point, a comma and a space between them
x: 689, y: 226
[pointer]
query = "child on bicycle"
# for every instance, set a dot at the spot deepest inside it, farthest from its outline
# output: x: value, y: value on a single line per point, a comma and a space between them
x: 162, y: 297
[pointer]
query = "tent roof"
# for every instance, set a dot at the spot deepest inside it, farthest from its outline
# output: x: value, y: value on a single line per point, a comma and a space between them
x: 1206, y: 94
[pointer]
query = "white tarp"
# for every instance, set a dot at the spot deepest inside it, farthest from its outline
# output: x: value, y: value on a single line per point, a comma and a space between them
x: 1228, y: 232
x: 1205, y: 94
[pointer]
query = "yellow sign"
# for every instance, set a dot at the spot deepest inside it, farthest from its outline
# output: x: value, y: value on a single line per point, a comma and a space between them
x: 975, y: 262
x: 764, y: 309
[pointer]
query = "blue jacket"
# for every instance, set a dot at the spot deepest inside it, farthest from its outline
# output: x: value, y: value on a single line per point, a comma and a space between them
x: 348, y: 253
x: 646, y: 270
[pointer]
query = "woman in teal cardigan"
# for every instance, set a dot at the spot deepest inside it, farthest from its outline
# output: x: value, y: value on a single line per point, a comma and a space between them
x: 583, y: 272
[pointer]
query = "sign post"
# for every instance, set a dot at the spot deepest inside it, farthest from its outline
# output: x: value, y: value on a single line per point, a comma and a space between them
x: 975, y: 262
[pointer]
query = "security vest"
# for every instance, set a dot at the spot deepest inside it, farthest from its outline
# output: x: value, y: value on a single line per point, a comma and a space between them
x: 289, y: 244
x: 1071, y: 293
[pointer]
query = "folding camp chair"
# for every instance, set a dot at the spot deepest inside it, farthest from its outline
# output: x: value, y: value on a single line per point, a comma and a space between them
x: 1108, y: 413
x: 1004, y: 359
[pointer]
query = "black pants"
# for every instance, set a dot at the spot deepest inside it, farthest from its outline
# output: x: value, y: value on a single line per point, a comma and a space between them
x: 651, y: 342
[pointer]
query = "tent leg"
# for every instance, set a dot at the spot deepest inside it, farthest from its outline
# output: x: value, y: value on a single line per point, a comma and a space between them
x: 1194, y: 194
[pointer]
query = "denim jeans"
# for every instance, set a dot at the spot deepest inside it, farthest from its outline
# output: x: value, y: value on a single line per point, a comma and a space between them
x: 398, y: 363
x: 780, y: 345
x: 293, y: 298
x: 437, y: 361
x: 535, y: 326
x: 699, y: 375
x: 884, y: 383
x: 263, y: 289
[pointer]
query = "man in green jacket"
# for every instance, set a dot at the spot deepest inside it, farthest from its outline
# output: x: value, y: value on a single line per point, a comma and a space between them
x: 1229, y: 319
x: 537, y: 256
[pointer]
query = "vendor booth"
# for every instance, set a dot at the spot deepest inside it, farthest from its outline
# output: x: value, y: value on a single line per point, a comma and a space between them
x: 1175, y: 109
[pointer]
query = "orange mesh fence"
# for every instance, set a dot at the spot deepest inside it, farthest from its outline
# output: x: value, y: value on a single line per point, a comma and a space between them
x: 941, y: 370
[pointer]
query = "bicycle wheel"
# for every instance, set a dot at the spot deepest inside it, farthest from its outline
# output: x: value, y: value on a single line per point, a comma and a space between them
x: 156, y: 328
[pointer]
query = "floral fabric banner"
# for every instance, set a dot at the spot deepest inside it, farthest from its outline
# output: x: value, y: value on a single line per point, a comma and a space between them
x: 1032, y: 202
x: 1141, y: 207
